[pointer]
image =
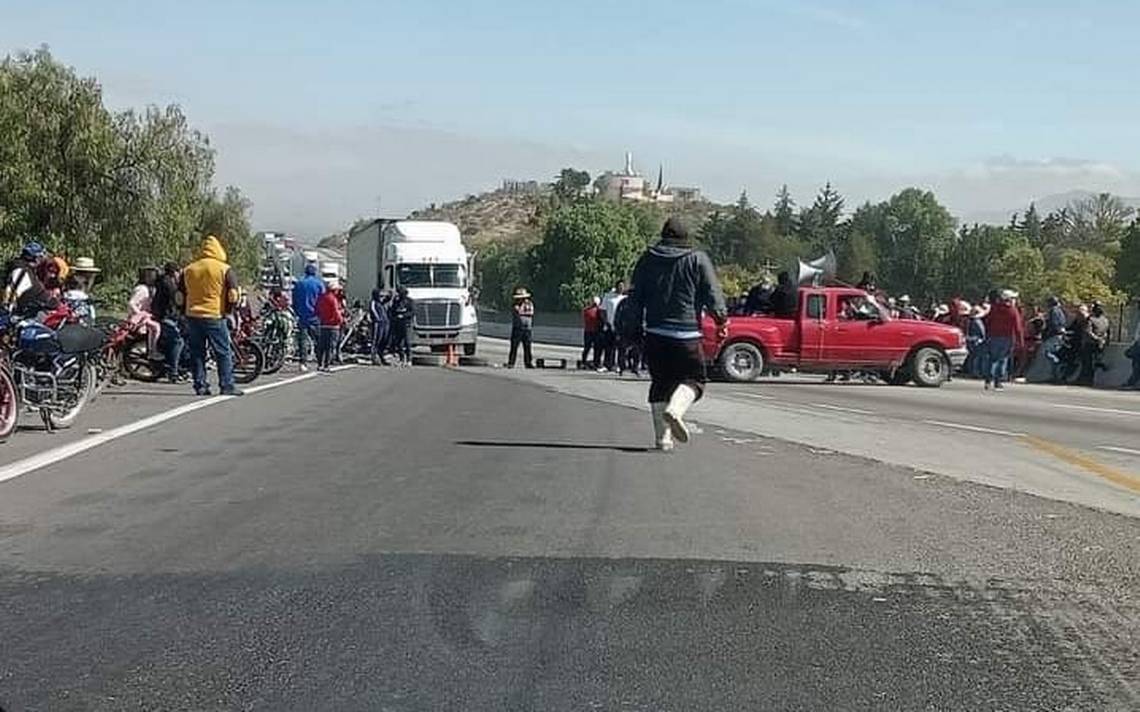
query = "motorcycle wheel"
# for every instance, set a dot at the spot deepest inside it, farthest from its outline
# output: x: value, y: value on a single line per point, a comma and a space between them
x: 136, y: 363
x: 249, y: 360
x: 9, y: 405
x: 86, y: 390
x: 274, y: 356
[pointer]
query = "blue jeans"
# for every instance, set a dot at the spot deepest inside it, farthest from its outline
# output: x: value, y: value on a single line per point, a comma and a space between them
x: 218, y: 334
x: 171, y: 347
x: 379, y: 340
x: 999, y: 349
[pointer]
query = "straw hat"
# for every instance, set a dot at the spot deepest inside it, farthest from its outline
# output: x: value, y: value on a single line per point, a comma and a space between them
x: 521, y: 293
x: 85, y: 264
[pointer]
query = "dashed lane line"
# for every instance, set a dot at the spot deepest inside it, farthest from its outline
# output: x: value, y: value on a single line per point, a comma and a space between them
x: 975, y: 428
x: 1097, y: 409
x: 842, y: 409
x: 1115, y: 448
x: 63, y: 452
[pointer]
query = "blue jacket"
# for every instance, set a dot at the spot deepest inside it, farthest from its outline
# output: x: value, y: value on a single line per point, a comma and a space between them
x: 379, y: 313
x: 975, y: 331
x: 305, y: 295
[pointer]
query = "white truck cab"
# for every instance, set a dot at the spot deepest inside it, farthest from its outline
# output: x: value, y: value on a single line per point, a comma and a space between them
x: 429, y: 260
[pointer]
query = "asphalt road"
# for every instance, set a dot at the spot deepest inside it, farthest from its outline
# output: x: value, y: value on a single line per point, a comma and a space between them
x: 419, y: 539
x: 1068, y: 443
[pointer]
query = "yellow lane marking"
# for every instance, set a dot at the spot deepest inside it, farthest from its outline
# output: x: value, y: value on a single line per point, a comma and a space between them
x: 1084, y: 462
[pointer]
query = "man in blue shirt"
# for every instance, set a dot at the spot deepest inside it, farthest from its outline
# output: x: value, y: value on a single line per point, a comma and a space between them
x: 305, y: 294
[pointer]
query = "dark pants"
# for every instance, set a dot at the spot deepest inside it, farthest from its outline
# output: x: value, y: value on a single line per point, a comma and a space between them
x: 326, y: 345
x: 379, y: 341
x: 1134, y: 377
x: 171, y: 347
x: 520, y: 336
x: 674, y: 362
x: 591, y: 342
x: 305, y: 333
x: 610, y: 346
x: 1090, y: 359
x: 217, y: 333
x: 400, y: 344
x: 629, y: 357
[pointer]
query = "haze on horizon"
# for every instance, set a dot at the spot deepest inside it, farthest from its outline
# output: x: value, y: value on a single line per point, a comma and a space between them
x: 325, y: 112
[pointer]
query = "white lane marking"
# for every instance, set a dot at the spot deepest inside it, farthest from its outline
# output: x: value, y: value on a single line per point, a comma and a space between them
x: 1113, y: 448
x: 50, y: 457
x: 757, y: 396
x: 974, y: 428
x: 1095, y: 409
x: 842, y: 409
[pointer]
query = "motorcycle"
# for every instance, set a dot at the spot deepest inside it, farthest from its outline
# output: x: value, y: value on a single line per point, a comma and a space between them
x: 131, y: 346
x: 53, y: 370
x: 275, y: 336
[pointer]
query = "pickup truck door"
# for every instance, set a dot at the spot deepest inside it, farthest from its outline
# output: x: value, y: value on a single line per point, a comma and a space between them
x: 859, y: 339
x: 813, y: 322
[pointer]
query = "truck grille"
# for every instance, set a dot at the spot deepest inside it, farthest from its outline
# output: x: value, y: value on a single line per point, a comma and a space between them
x: 437, y: 314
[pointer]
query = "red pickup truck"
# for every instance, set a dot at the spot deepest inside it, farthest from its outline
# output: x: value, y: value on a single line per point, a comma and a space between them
x: 837, y: 329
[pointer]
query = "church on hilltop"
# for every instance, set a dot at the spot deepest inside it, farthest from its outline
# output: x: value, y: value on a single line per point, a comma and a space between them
x: 630, y: 185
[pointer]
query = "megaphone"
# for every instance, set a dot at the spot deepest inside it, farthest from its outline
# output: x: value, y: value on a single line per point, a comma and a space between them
x: 817, y: 271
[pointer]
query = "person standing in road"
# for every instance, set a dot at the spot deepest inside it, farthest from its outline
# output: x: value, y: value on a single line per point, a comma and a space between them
x: 673, y: 283
x: 164, y: 307
x: 1133, y: 354
x: 1093, y: 343
x: 591, y: 325
x: 1004, y: 334
x: 210, y: 292
x: 378, y: 311
x: 522, y: 327
x: 976, y: 342
x: 330, y: 314
x: 609, y: 306
x: 305, y: 294
x: 402, y: 312
x: 1053, y: 335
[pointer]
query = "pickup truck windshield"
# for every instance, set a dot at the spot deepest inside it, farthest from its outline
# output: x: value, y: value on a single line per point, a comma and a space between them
x: 428, y: 275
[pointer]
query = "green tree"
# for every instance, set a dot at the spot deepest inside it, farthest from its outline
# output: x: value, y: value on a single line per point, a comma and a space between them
x: 570, y: 184
x: 819, y: 225
x: 972, y: 258
x: 1022, y: 268
x: 502, y: 267
x: 126, y: 188
x: 1127, y: 276
x: 1099, y: 223
x: 1084, y: 277
x: 911, y: 243
x: 585, y: 248
x: 1030, y: 226
x: 785, y: 213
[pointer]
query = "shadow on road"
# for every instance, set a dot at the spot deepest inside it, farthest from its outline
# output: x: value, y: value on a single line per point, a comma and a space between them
x: 552, y: 446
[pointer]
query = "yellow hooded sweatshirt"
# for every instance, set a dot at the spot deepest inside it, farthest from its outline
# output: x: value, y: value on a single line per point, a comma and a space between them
x: 209, y: 283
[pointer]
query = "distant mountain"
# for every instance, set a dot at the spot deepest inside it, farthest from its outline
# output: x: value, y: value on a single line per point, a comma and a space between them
x: 1045, y: 205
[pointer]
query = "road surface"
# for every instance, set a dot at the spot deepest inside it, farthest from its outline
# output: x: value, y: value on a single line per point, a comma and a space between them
x: 423, y: 539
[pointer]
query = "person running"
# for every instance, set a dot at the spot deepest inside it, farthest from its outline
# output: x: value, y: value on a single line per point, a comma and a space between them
x: 591, y: 329
x: 305, y: 295
x: 522, y: 327
x: 330, y: 315
x: 139, y: 311
x: 164, y: 308
x: 673, y: 283
x: 402, y: 312
x: 378, y: 310
x: 210, y: 292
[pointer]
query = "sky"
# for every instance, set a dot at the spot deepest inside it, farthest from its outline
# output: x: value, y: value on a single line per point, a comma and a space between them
x: 324, y: 112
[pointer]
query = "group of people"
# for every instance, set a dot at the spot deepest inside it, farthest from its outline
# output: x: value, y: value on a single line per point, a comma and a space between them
x: 320, y: 308
x: 611, y: 341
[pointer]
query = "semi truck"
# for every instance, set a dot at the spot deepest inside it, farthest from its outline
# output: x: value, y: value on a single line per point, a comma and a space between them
x: 428, y: 259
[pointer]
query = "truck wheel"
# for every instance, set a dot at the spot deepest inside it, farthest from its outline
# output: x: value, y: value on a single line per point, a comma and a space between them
x: 469, y: 349
x: 742, y: 362
x: 929, y: 367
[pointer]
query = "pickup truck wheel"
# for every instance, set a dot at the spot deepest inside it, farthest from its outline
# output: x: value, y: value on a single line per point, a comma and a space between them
x: 742, y: 362
x: 930, y: 368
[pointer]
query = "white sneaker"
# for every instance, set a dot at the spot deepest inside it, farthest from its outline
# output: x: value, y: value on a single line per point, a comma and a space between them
x: 663, y: 437
x: 302, y: 368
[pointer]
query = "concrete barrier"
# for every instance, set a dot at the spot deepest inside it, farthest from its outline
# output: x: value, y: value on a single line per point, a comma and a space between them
x: 1119, y: 368
x: 498, y: 325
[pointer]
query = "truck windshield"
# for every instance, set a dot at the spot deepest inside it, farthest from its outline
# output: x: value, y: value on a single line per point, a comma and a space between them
x: 428, y: 275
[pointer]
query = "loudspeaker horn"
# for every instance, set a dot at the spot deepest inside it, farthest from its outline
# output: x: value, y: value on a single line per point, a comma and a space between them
x: 816, y: 272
